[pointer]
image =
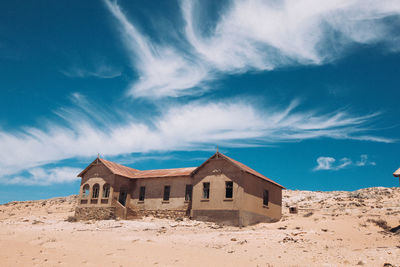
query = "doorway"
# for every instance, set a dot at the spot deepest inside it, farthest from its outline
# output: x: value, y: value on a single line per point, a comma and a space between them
x: 122, y: 197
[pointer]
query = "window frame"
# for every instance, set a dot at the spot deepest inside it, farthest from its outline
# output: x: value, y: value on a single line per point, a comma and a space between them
x: 226, y: 189
x: 206, y: 190
x: 106, y: 190
x: 265, y: 197
x: 95, y: 191
x: 167, y: 197
x: 84, y: 195
x: 188, y: 192
x: 142, y: 193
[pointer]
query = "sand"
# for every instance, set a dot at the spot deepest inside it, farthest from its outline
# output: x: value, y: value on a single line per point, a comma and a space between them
x: 331, y: 229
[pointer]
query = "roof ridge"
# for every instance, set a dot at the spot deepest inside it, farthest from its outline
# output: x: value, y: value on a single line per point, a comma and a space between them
x: 109, y: 161
x: 248, y: 169
x: 135, y: 173
x: 397, y: 173
x: 167, y: 169
x: 129, y: 172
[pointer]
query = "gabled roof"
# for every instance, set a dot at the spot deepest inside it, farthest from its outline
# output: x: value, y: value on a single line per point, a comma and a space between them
x: 128, y: 172
x: 240, y: 166
x: 119, y: 169
x: 115, y: 168
x: 397, y: 173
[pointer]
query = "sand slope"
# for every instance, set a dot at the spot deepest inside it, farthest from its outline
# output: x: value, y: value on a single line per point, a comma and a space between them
x: 331, y: 229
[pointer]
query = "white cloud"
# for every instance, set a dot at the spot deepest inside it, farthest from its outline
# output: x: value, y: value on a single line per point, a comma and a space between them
x: 164, y: 70
x: 324, y: 163
x: 264, y: 35
x: 43, y: 176
x: 364, y: 161
x: 99, y: 71
x: 329, y: 163
x: 87, y: 129
x: 252, y: 35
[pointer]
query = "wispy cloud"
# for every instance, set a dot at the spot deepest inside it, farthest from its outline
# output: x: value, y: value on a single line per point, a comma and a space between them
x: 85, y: 129
x: 164, y: 70
x: 264, y: 35
x: 329, y: 163
x: 252, y: 35
x: 364, y: 161
x: 98, y: 71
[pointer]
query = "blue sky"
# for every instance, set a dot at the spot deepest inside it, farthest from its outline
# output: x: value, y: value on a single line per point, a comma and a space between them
x: 305, y: 94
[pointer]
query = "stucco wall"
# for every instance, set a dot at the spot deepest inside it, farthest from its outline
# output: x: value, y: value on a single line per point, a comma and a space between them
x: 247, y: 195
x: 98, y: 170
x: 253, y: 199
x: 226, y: 217
x: 155, y: 192
x: 217, y: 172
x: 97, y: 174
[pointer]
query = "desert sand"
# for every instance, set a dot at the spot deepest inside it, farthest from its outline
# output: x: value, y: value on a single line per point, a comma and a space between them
x: 339, y: 228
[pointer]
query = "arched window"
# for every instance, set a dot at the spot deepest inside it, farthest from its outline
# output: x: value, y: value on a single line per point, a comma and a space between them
x: 106, y: 190
x: 96, y: 189
x: 85, y: 190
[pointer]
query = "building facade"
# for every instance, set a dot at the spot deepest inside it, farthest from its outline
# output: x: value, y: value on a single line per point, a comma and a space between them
x: 221, y: 190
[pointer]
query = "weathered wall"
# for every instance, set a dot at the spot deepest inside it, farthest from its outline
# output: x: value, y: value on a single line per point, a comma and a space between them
x: 247, y: 195
x: 227, y: 217
x: 155, y: 192
x: 168, y: 214
x: 98, y: 170
x: 217, y: 208
x: 253, y: 200
x: 122, y: 184
x: 97, y: 174
x: 95, y: 213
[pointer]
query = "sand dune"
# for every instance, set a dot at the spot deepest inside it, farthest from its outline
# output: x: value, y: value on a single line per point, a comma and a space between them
x: 331, y: 229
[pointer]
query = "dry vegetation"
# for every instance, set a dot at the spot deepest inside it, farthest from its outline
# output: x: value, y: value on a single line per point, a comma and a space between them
x: 331, y: 229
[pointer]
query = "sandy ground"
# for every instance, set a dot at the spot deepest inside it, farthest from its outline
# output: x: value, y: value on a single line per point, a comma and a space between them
x: 331, y: 229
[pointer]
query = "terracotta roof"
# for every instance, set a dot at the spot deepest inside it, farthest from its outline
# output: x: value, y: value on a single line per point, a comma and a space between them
x: 243, y: 168
x: 164, y: 173
x: 138, y: 174
x: 397, y: 173
x: 128, y: 172
x: 119, y: 169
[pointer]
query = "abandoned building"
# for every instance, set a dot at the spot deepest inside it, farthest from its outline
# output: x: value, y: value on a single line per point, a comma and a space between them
x: 397, y: 174
x: 221, y: 190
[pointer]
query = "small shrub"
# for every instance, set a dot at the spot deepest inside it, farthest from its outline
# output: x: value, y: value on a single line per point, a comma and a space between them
x: 71, y: 219
x: 308, y: 214
x: 381, y: 223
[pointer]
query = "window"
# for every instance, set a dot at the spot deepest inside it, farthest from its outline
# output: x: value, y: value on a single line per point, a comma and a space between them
x: 142, y: 193
x: 228, y: 189
x: 106, y: 190
x: 96, y: 189
x: 85, y: 190
x: 188, y: 192
x: 206, y: 190
x: 167, y: 190
x: 265, y: 198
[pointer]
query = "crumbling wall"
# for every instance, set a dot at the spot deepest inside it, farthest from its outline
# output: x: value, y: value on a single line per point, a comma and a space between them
x: 250, y: 218
x: 226, y: 217
x: 95, y: 213
x: 164, y: 214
